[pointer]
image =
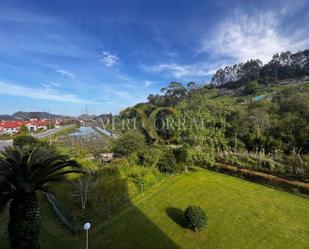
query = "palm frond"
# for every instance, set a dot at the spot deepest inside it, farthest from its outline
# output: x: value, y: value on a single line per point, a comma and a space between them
x: 26, y: 170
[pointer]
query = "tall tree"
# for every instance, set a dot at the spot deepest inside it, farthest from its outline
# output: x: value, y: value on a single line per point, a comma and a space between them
x: 174, y: 93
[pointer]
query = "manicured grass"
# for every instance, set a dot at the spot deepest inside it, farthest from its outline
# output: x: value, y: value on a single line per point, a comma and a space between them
x: 240, y: 214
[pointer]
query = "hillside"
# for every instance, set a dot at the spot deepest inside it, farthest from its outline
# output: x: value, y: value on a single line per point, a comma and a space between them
x: 241, y: 215
x: 30, y: 115
x: 282, y: 66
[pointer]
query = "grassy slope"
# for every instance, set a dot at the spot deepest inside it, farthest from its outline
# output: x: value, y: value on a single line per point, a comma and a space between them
x: 241, y: 215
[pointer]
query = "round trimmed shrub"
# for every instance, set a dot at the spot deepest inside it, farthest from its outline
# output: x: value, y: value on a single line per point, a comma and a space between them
x: 196, y: 218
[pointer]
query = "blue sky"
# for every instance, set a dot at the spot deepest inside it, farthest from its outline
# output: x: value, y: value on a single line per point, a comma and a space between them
x: 59, y: 56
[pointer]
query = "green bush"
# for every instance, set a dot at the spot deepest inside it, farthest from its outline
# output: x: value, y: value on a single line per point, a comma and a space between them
x: 26, y: 140
x: 119, y: 162
x: 149, y: 156
x: 139, y: 180
x: 251, y: 87
x: 23, y: 130
x: 182, y: 154
x: 201, y: 157
x: 168, y: 164
x: 133, y: 158
x: 129, y: 143
x: 198, y: 156
x: 196, y: 218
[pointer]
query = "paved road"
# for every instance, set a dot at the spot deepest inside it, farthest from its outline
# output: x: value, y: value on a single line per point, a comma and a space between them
x: 9, y: 142
x: 50, y: 132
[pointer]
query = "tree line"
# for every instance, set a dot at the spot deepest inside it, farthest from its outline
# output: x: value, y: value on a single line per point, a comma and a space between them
x: 282, y: 66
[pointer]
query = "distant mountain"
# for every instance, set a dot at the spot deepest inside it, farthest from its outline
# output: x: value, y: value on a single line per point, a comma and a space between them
x: 5, y: 117
x: 30, y: 115
x: 104, y: 116
x: 86, y: 117
x: 282, y: 66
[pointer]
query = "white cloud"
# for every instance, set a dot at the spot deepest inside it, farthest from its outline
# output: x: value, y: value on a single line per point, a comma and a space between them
x: 37, y: 93
x: 54, y: 84
x: 148, y: 83
x: 243, y: 36
x: 256, y: 36
x: 182, y: 70
x: 119, y: 93
x: 65, y: 73
x: 109, y: 59
x: 50, y: 86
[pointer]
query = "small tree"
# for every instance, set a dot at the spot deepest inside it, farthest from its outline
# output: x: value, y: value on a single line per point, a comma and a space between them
x: 83, y: 188
x: 24, y: 139
x: 182, y: 156
x: 129, y: 143
x: 167, y: 163
x: 23, y: 130
x: 196, y: 218
x: 149, y: 156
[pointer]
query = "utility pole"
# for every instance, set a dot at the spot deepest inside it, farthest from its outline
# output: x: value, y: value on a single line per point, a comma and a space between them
x: 86, y: 110
x: 49, y: 126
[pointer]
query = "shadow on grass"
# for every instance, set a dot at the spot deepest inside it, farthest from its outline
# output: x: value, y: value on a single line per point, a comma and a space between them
x: 127, y: 227
x: 131, y: 228
x: 177, y: 215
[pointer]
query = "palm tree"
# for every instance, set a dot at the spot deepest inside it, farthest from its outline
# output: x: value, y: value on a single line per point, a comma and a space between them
x: 24, y: 172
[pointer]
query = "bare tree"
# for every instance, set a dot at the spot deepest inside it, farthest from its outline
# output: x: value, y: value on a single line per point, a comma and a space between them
x: 83, y: 188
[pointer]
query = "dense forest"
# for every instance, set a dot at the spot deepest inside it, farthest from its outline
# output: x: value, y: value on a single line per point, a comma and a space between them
x: 282, y: 66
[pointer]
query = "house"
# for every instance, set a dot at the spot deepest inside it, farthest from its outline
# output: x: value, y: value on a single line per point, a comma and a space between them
x: 38, y: 124
x: 58, y: 122
x: 32, y: 127
x: 10, y: 127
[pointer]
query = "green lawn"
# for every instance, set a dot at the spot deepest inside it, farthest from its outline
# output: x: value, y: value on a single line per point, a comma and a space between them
x: 241, y: 215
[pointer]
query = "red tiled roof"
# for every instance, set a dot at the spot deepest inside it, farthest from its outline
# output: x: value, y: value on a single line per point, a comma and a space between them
x: 17, y: 124
x: 39, y: 122
x: 11, y: 124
